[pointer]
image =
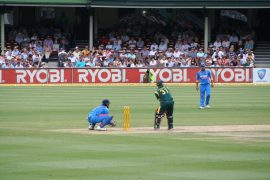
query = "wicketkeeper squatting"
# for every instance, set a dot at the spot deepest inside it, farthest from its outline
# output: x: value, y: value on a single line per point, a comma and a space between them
x: 100, y: 115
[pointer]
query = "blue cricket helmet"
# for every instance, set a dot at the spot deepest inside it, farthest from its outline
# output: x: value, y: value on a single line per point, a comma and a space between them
x: 105, y: 102
x: 202, y: 65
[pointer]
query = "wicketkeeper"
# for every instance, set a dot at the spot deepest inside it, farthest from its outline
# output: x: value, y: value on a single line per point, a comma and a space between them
x: 100, y: 115
x: 166, y: 105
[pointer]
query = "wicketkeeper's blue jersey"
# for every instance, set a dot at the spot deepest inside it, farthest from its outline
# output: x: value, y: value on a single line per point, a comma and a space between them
x: 203, y: 77
x: 99, y: 111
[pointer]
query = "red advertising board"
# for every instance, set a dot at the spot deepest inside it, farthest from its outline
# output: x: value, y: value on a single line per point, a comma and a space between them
x: 118, y: 75
x: 35, y: 76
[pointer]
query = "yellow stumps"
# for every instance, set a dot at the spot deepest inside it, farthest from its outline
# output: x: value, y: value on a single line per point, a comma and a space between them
x: 126, y: 118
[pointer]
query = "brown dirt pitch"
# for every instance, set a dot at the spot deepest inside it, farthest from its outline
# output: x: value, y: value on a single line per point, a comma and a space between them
x: 243, y: 133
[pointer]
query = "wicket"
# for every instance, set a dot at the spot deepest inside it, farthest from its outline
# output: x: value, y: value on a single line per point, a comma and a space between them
x: 126, y: 118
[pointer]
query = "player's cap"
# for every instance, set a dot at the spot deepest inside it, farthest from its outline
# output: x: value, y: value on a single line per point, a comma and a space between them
x: 202, y: 65
x: 105, y: 102
x: 159, y: 83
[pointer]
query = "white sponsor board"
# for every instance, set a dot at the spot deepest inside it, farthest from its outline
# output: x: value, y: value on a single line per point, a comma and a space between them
x: 261, y: 75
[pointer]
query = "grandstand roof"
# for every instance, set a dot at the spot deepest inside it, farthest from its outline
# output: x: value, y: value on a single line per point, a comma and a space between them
x: 143, y: 3
x: 73, y: 3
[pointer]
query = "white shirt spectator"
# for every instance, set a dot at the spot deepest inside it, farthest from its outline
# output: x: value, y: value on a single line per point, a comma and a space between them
x: 243, y: 61
x: 139, y: 64
x: 18, y: 65
x: 168, y: 54
x: 162, y: 46
x: 123, y: 55
x: 73, y: 58
x: 56, y: 46
x: 194, y: 44
x: 132, y: 65
x: 62, y: 52
x: 106, y: 63
x: 215, y: 64
x: 8, y: 52
x: 132, y: 43
x: 226, y: 43
x: 176, y: 53
x: 2, y: 60
x: 152, y: 52
x: 36, y: 58
x: 68, y: 64
x: 221, y: 53
x: 215, y: 53
x: 170, y: 63
x: 123, y: 64
x: 163, y: 62
x: 109, y: 46
x: 77, y: 53
x: 152, y: 63
x: 217, y: 43
x: 154, y: 45
x: 34, y: 37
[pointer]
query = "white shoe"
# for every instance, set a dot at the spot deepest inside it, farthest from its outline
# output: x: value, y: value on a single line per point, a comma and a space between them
x: 91, y: 127
x: 208, y: 107
x: 201, y: 107
x: 101, y: 129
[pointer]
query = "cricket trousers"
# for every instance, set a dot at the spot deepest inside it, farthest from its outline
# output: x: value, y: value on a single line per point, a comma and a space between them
x: 205, y: 91
x: 103, y: 120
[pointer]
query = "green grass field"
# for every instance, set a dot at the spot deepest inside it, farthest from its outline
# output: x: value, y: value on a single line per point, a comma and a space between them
x: 30, y: 150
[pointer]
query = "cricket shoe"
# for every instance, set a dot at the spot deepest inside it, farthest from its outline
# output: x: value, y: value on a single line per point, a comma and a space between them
x: 113, y: 123
x: 207, y: 106
x: 91, y: 127
x: 201, y: 107
x: 170, y: 126
x: 101, y: 129
x: 157, y: 127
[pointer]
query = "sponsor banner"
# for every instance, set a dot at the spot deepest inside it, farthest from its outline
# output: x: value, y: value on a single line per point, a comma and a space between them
x: 261, y: 75
x: 232, y: 75
x: 35, y: 76
x: 99, y: 75
x: 119, y: 75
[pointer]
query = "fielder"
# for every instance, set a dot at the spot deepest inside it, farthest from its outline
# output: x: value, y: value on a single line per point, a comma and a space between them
x: 166, y: 106
x: 100, y: 115
x: 204, y: 77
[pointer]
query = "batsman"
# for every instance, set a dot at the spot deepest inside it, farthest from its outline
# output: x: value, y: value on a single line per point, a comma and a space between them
x: 166, y: 105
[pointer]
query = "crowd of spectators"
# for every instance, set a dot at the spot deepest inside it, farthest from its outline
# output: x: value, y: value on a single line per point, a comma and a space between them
x: 181, y: 50
x: 27, y: 48
x: 121, y: 48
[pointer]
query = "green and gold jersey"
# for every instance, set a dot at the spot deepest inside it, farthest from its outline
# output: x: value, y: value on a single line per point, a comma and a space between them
x: 163, y: 94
